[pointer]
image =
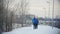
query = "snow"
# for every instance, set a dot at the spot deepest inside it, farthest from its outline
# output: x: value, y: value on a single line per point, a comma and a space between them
x: 42, y: 29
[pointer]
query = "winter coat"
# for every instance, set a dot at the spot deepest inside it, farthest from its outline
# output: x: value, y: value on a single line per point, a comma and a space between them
x: 35, y: 21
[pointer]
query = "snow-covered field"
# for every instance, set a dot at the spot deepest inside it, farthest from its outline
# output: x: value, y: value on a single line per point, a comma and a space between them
x: 42, y: 29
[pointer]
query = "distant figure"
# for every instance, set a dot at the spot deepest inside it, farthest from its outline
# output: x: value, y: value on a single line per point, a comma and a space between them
x: 35, y: 22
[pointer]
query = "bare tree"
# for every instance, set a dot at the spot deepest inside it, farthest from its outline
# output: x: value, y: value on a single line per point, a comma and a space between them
x: 24, y: 6
x: 9, y: 18
x: 1, y: 16
x: 8, y: 15
x: 22, y: 9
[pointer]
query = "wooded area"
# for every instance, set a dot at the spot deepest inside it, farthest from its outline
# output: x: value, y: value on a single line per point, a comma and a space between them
x: 7, y: 15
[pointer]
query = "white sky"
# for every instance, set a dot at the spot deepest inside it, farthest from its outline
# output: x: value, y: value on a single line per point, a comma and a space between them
x: 40, y: 8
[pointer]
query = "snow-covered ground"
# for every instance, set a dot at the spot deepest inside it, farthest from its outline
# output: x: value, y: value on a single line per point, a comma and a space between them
x: 42, y: 29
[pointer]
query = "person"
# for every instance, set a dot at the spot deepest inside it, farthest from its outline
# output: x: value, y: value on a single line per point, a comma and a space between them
x: 35, y: 22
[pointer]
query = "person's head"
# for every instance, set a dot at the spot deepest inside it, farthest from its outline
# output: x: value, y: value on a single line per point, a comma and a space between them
x: 35, y: 16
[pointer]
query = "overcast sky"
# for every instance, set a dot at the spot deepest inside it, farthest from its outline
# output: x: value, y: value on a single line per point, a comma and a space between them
x: 40, y: 8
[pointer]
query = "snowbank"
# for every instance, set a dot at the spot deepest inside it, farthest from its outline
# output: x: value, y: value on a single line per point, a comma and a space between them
x: 42, y: 29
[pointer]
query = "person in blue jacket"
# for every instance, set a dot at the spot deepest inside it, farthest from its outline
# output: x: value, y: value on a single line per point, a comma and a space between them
x: 35, y: 22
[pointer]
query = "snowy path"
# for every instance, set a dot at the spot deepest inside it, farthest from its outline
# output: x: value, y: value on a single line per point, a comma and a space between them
x: 42, y: 29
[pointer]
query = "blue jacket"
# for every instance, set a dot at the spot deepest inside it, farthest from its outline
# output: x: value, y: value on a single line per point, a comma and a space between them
x: 35, y: 21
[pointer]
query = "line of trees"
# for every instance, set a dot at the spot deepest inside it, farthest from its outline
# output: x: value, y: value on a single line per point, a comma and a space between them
x: 22, y: 9
x: 6, y: 15
x: 24, y: 6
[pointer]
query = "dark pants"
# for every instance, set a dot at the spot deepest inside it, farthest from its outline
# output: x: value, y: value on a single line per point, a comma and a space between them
x: 35, y: 26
